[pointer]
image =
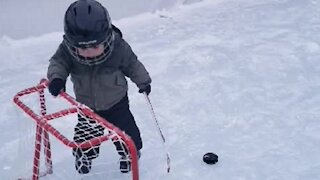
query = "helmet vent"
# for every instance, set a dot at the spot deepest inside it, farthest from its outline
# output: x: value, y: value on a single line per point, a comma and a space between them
x: 89, y: 9
x: 75, y: 11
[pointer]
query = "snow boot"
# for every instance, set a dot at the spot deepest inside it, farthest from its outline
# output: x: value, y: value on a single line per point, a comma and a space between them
x: 83, y: 165
x: 125, y: 163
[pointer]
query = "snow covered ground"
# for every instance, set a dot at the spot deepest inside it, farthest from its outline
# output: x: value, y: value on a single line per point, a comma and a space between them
x: 236, y: 77
x: 19, y: 21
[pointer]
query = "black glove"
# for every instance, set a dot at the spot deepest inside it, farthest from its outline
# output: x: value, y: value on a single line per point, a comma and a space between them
x: 56, y: 85
x: 146, y: 89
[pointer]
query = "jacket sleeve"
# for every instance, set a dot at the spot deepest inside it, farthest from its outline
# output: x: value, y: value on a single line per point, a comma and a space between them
x: 133, y: 68
x: 59, y: 66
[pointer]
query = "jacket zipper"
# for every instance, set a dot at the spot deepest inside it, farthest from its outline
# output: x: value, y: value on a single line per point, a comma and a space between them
x: 92, y: 90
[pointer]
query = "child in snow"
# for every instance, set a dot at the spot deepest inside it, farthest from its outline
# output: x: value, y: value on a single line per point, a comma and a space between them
x: 98, y: 59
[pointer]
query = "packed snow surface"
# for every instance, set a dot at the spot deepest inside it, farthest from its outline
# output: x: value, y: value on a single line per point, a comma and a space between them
x: 239, y: 78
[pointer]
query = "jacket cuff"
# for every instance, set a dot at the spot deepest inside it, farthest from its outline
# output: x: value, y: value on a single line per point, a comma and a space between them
x: 144, y: 85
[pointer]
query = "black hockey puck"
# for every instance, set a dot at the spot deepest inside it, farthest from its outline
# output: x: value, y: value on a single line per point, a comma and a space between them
x: 210, y: 158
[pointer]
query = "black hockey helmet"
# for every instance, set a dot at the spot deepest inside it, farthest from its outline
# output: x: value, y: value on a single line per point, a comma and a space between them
x: 87, y: 24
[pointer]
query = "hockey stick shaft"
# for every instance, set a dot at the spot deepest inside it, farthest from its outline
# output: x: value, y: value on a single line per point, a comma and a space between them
x: 159, y: 129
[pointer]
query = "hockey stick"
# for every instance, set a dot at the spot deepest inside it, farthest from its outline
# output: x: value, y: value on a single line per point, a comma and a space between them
x: 160, y: 132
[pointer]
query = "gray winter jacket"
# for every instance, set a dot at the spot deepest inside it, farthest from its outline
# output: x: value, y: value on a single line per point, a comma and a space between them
x: 100, y: 86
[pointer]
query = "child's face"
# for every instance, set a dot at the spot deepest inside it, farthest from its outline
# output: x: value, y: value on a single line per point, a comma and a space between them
x: 91, y: 52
